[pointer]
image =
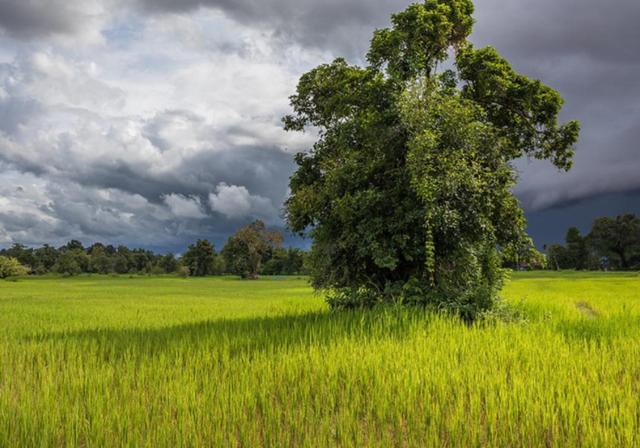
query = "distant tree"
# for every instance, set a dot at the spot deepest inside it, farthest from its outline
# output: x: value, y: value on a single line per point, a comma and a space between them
x: 200, y: 259
x: 72, y: 245
x: 168, y: 263
x: 523, y: 255
x: 23, y: 254
x: 183, y: 271
x: 100, y: 258
x: 123, y: 262
x: 142, y: 260
x: 120, y: 264
x: 558, y: 257
x: 577, y: 253
x: 617, y: 237
x: 72, y: 262
x: 408, y: 190
x: 11, y: 267
x: 275, y: 263
x: 99, y: 261
x: 245, y: 250
x: 219, y: 265
x: 295, y: 261
x: 46, y: 257
x: 284, y: 262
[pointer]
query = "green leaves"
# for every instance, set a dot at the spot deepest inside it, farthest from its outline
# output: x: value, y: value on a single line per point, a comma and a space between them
x: 410, y: 180
x: 200, y: 259
x: 420, y: 37
x: 10, y: 267
x: 461, y: 180
x: 524, y: 111
x: 246, y: 249
x: 330, y: 94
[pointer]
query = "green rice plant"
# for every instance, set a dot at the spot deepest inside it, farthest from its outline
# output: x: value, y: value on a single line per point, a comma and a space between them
x: 104, y: 361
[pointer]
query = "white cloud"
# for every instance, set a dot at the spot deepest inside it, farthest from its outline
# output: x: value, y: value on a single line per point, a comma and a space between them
x: 183, y: 103
x: 37, y: 211
x: 184, y: 206
x: 236, y: 202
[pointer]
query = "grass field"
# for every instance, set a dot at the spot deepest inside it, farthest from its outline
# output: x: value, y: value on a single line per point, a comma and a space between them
x: 219, y: 362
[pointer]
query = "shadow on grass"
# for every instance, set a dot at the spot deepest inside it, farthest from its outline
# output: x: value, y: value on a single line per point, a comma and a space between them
x: 243, y: 337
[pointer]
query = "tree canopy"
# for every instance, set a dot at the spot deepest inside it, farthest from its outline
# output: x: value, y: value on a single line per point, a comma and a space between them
x: 613, y: 243
x: 248, y: 247
x: 617, y: 237
x: 201, y: 259
x: 407, y: 191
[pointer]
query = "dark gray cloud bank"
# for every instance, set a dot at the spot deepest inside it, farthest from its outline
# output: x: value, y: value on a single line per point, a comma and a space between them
x: 157, y: 122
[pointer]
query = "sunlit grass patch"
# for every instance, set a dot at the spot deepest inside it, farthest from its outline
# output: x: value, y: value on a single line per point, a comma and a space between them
x: 220, y: 362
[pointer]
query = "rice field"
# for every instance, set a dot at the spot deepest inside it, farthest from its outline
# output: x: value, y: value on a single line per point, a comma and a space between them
x: 168, y: 362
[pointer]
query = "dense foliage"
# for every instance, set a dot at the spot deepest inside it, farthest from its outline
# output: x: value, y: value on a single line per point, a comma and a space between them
x: 523, y: 256
x: 248, y: 247
x: 199, y: 260
x: 407, y: 192
x: 612, y: 244
x: 10, y: 267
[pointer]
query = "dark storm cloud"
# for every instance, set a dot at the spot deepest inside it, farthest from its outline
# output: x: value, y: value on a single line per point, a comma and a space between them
x: 334, y: 25
x: 262, y: 171
x: 544, y: 29
x: 605, y: 30
x: 32, y: 18
x: 587, y: 49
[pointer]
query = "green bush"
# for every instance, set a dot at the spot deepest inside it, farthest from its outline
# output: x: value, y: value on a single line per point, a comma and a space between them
x: 10, y: 267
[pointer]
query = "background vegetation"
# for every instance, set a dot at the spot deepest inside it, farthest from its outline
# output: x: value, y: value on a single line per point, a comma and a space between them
x: 251, y: 251
x: 612, y: 244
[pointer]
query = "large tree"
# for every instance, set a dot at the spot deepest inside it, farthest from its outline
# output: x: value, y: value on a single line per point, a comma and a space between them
x: 407, y: 192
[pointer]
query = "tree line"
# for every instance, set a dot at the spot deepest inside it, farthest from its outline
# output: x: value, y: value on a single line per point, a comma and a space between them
x: 251, y: 251
x: 612, y: 244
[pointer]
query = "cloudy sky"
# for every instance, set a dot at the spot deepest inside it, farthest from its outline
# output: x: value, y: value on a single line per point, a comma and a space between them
x: 156, y: 122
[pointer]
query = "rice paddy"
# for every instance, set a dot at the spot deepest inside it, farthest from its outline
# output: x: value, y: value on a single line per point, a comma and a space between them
x: 154, y: 362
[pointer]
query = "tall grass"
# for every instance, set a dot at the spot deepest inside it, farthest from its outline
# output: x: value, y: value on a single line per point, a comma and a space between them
x: 219, y: 362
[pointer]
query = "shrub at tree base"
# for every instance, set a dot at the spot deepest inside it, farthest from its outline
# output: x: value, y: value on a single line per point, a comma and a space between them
x: 407, y: 192
x: 10, y: 267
